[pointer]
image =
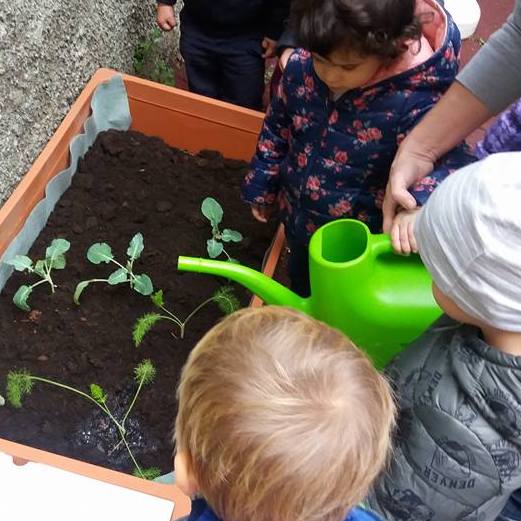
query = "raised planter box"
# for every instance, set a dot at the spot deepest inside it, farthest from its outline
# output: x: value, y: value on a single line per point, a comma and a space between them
x: 181, y: 119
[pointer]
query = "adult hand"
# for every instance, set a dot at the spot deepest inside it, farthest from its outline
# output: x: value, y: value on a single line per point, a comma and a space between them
x: 402, y: 232
x: 261, y: 213
x: 409, y: 166
x: 269, y: 46
x: 165, y: 17
x: 284, y: 57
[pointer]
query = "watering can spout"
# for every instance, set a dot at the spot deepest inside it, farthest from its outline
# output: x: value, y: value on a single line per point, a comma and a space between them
x: 267, y: 289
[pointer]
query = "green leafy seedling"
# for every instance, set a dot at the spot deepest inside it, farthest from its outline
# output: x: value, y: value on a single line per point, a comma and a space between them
x: 101, y: 252
x: 223, y: 297
x: 54, y: 260
x: 213, y: 211
x: 21, y: 383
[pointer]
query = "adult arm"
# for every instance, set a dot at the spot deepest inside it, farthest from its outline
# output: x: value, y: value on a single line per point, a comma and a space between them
x: 487, y: 88
x: 494, y: 75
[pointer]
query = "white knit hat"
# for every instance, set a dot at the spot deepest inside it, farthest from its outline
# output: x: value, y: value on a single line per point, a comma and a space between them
x: 469, y: 238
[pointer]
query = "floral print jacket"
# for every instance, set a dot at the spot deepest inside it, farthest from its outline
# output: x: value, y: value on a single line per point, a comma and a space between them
x: 321, y: 159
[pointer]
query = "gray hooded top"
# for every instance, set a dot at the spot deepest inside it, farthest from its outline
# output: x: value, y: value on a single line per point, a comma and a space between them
x: 458, y: 446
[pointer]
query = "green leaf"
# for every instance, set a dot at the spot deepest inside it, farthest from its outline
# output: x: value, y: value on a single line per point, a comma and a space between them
x: 100, y: 252
x: 149, y: 474
x: 226, y: 300
x: 97, y: 393
x: 145, y: 372
x: 143, y: 325
x: 19, y: 383
x: 212, y: 210
x: 231, y: 235
x: 58, y: 262
x: 142, y: 284
x: 20, y: 262
x: 214, y: 248
x: 57, y: 247
x: 79, y: 290
x: 118, y: 276
x: 135, y: 247
x: 39, y: 268
x: 21, y: 296
x: 157, y: 298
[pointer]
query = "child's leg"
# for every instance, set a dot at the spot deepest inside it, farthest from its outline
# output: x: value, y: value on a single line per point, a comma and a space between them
x: 298, y: 267
x: 201, y: 61
x: 242, y: 80
x: 512, y: 510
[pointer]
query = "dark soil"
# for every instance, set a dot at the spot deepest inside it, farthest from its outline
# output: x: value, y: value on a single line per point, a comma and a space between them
x: 127, y: 183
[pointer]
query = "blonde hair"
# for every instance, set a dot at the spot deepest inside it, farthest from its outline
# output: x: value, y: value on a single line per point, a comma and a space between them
x: 283, y: 417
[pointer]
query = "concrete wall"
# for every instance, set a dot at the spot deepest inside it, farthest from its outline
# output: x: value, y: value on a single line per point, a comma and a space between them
x: 48, y: 51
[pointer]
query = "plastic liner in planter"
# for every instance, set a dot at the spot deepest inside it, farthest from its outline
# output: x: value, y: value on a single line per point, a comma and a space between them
x: 110, y: 110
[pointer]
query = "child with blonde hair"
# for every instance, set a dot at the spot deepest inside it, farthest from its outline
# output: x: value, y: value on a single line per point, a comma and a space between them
x: 280, y: 418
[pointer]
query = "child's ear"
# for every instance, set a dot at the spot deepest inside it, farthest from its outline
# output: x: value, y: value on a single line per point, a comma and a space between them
x: 184, y: 474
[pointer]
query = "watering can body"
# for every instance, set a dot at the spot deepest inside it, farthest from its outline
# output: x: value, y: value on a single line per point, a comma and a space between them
x: 381, y: 300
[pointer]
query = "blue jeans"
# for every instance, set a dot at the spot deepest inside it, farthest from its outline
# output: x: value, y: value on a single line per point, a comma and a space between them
x: 225, y: 67
x: 512, y: 510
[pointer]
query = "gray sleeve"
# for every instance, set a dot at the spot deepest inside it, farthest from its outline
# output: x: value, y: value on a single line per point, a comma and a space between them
x: 494, y: 74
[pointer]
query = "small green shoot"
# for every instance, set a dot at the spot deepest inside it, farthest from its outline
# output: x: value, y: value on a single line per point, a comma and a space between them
x: 150, y: 474
x: 54, y: 259
x: 148, y: 61
x: 223, y: 297
x: 101, y: 252
x: 213, y: 211
x: 21, y: 383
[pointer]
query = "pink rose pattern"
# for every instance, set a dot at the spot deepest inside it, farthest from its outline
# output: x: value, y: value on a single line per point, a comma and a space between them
x: 321, y: 160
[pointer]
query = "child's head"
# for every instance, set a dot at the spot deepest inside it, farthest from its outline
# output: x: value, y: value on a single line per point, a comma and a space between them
x: 351, y: 39
x: 469, y: 237
x: 280, y: 417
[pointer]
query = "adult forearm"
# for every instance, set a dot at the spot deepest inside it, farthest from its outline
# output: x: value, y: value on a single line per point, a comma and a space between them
x: 456, y: 115
x: 494, y: 74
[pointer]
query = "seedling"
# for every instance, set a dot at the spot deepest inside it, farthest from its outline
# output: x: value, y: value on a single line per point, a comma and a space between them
x: 54, y: 260
x: 213, y: 211
x: 20, y: 383
x: 101, y: 252
x: 223, y: 297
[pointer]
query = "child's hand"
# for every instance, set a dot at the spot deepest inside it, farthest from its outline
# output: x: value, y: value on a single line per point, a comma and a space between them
x: 269, y: 46
x: 261, y: 212
x: 402, y: 232
x: 165, y: 17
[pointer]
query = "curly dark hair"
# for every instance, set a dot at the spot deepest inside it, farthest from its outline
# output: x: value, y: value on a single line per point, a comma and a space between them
x: 369, y: 27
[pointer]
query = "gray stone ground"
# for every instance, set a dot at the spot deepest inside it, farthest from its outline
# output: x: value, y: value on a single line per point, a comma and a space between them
x: 48, y: 51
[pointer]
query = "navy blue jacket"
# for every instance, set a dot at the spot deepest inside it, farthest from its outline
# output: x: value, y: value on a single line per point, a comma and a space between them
x: 232, y: 17
x: 321, y: 159
x: 202, y: 512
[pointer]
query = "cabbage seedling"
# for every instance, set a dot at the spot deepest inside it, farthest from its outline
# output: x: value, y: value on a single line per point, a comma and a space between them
x: 101, y: 252
x: 54, y: 260
x: 213, y: 211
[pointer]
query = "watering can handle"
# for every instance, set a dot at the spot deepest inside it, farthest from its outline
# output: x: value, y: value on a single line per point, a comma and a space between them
x: 380, y: 244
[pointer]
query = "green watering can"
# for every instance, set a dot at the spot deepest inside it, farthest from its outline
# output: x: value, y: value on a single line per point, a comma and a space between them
x: 381, y: 300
